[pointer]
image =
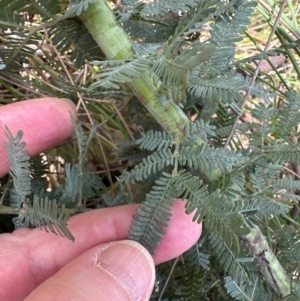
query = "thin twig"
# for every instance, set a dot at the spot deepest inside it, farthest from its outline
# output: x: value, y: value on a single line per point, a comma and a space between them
x: 168, y: 279
x: 255, y: 74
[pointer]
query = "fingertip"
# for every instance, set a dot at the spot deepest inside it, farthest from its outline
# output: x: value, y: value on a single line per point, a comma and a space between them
x: 45, y: 123
x: 70, y: 105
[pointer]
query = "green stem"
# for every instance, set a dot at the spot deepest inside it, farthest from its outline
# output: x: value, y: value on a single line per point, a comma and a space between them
x: 15, y: 211
x: 115, y: 43
x: 270, y: 267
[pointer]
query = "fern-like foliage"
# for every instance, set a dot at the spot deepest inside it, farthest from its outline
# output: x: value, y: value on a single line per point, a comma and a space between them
x: 231, y: 185
x: 278, y: 122
x: 218, y: 213
x: 175, y: 77
x: 281, y: 153
x: 230, y: 190
x: 195, y: 259
x: 218, y: 90
x: 78, y: 6
x: 193, y: 21
x: 63, y: 32
x: 42, y: 7
x: 199, y: 129
x: 70, y: 32
x: 205, y: 158
x: 110, y: 79
x: 200, y: 158
x: 265, y: 114
x: 175, y: 73
x: 154, y: 140
x: 152, y: 164
x: 73, y: 185
x: 41, y: 211
x: 46, y: 215
x: 19, y: 167
x: 151, y: 220
x: 193, y: 288
x: 288, y: 115
x: 162, y: 8
x: 225, y: 33
x: 230, y: 261
x: 263, y: 206
x: 283, y: 189
x: 142, y: 28
x: 255, y: 292
x: 287, y: 183
x: 80, y: 183
x: 213, y: 83
x: 288, y: 241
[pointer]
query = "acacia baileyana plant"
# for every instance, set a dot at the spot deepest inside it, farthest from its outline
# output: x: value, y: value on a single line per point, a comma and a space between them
x: 225, y: 142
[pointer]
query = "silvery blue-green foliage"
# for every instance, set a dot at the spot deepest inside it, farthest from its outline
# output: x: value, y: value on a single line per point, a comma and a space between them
x: 225, y: 33
x: 196, y: 72
x: 77, y: 6
x: 151, y: 220
x: 230, y: 185
x: 37, y: 207
x: 288, y: 115
x: 199, y: 129
x: 193, y: 288
x: 46, y: 215
x: 195, y: 259
x: 250, y: 188
x: 225, y: 90
x: 80, y: 183
x: 135, y: 10
x: 198, y: 157
x: 154, y: 140
x: 39, y: 212
x: 124, y: 73
x: 152, y: 164
x: 19, y: 167
x: 208, y: 158
x: 173, y: 73
x: 279, y: 122
x: 44, y: 8
x: 64, y: 32
x: 233, y: 262
x: 247, y: 293
x: 71, y: 31
x: 288, y: 241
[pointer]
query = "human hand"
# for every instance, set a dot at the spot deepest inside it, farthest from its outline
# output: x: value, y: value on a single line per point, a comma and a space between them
x: 100, y: 264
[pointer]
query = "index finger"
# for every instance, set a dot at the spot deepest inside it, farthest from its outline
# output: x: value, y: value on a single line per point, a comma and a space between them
x: 45, y: 123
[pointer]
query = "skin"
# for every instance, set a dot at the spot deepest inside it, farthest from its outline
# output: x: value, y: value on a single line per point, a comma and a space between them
x: 100, y: 264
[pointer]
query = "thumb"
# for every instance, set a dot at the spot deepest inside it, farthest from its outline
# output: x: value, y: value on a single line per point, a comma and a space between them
x: 121, y: 270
